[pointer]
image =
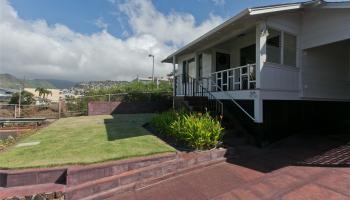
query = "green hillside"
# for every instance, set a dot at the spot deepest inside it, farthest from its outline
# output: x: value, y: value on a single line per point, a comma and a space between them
x: 10, y: 81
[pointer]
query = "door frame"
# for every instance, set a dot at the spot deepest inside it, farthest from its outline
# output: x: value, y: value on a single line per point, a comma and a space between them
x: 222, y: 52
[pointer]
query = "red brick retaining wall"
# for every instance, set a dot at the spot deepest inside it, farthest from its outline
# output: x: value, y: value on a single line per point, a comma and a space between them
x: 116, y: 107
x: 98, y: 181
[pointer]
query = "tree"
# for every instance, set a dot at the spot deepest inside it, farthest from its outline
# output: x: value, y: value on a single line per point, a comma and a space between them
x: 47, y: 93
x: 43, y: 92
x: 26, y: 98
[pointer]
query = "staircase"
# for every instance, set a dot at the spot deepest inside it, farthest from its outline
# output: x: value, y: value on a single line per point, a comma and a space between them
x: 197, y: 97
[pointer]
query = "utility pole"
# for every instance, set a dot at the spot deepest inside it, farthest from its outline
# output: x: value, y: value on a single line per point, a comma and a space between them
x: 19, y: 101
x: 151, y: 55
x: 20, y: 96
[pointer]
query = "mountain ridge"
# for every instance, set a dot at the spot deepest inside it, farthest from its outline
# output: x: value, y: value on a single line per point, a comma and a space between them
x: 10, y: 81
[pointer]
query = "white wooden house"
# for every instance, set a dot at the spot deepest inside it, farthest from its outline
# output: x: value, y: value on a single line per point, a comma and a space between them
x: 273, y: 62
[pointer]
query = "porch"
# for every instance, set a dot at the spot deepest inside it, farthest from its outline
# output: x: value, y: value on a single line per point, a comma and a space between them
x: 253, y: 63
x: 233, y: 79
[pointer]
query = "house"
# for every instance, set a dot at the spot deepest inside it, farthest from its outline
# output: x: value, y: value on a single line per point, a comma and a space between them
x: 280, y: 68
x: 55, y: 95
x: 6, y: 94
x: 149, y: 79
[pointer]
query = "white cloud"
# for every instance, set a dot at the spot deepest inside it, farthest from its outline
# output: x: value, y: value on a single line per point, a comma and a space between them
x: 101, y: 24
x: 177, y: 28
x: 39, y: 50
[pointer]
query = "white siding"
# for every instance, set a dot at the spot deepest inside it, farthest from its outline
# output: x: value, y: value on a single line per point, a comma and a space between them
x: 321, y: 27
x: 279, y: 78
x: 207, y: 64
x: 325, y: 72
x: 192, y: 70
x: 289, y: 22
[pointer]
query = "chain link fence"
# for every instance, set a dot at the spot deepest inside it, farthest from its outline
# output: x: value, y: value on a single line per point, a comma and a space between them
x: 50, y: 111
x: 76, y: 106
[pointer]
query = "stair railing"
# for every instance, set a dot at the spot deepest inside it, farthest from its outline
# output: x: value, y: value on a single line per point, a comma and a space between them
x: 232, y: 99
x: 186, y: 85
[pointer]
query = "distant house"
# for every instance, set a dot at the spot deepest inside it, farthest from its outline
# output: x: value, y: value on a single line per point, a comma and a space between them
x: 149, y: 79
x: 55, y: 97
x: 285, y: 66
x: 5, y: 94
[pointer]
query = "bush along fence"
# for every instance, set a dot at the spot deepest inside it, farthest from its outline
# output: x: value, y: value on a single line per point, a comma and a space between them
x: 78, y: 106
x: 81, y: 105
x: 193, y: 130
x: 50, y: 111
x: 130, y: 103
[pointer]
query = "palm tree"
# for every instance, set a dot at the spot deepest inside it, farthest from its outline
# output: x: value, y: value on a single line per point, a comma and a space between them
x: 43, y: 92
x: 47, y: 93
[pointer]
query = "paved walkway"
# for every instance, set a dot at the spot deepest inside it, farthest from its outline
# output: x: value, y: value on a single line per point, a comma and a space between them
x: 229, y: 181
x: 297, y: 168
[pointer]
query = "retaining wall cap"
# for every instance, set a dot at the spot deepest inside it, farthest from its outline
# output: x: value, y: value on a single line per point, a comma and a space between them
x: 75, y: 168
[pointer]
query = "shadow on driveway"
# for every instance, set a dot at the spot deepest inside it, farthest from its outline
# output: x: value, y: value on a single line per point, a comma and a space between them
x: 297, y: 150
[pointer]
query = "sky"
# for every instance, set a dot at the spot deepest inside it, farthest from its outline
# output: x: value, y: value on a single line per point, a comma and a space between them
x: 81, y: 40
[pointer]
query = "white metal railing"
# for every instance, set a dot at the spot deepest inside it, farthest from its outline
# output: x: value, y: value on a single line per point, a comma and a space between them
x: 186, y: 85
x: 236, y: 103
x: 238, y: 78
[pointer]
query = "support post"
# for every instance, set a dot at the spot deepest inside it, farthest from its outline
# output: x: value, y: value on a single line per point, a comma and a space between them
x: 261, y: 39
x: 174, y: 83
x: 261, y: 56
x: 258, y: 110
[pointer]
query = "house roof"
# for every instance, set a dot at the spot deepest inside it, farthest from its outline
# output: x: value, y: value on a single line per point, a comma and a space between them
x: 255, y: 11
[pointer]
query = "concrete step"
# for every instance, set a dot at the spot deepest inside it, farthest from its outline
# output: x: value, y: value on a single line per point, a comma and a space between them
x: 126, y: 180
x: 103, y: 179
x: 22, y: 191
x: 141, y: 177
x: 81, y: 174
x: 148, y: 182
x: 24, y: 177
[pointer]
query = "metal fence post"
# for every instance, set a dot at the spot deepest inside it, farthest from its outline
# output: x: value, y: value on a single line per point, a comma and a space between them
x: 59, y: 109
x: 15, y: 110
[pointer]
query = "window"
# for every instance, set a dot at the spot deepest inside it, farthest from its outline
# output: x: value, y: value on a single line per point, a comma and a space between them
x: 184, y: 71
x: 290, y: 50
x: 275, y: 48
x: 200, y: 66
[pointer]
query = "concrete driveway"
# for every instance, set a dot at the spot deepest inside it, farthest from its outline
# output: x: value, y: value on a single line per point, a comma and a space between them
x: 299, y: 167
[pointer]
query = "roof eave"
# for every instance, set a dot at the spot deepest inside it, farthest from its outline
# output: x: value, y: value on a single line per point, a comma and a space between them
x: 272, y: 9
x: 251, y: 12
x: 169, y: 59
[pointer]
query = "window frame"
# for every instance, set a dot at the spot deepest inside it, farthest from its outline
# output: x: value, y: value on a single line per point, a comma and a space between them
x: 282, y: 33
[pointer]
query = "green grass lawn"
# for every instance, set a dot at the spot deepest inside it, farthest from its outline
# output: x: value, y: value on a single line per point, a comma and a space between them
x: 83, y: 140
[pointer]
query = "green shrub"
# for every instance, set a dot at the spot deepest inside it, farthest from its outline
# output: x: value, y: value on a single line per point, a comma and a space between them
x: 162, y: 122
x: 27, y: 98
x: 192, y: 129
